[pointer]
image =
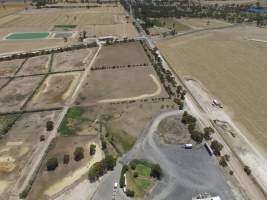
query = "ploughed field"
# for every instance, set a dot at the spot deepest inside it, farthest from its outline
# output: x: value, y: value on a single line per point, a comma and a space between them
x: 232, y: 66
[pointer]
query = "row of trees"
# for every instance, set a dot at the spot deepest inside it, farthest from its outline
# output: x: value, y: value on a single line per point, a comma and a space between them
x: 103, y: 67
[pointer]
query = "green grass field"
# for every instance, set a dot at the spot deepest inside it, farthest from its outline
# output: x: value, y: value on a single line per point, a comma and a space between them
x: 64, y: 27
x: 27, y: 36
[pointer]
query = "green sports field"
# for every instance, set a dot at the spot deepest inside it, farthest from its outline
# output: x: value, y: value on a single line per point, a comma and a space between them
x: 27, y: 36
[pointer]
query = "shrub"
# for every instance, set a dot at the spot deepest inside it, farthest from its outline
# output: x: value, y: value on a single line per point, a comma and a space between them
x: 103, y: 144
x: 109, y: 162
x: 156, y: 171
x: 135, y: 175
x: 92, y: 149
x: 231, y: 172
x: 66, y: 159
x: 42, y: 138
x: 130, y: 193
x: 51, y: 164
x: 247, y: 170
x: 78, y: 154
x: 49, y: 125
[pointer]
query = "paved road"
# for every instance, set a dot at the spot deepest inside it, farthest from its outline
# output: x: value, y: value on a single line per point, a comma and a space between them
x: 186, y: 172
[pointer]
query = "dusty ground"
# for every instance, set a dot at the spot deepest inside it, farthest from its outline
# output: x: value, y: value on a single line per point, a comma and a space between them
x: 55, y: 90
x: 172, y: 131
x: 122, y: 55
x: 35, y: 65
x: 72, y: 59
x: 14, y: 95
x: 3, y: 81
x: 8, y: 68
x: 196, y: 23
x: 49, y: 183
x: 17, y: 147
x: 120, y: 84
x: 232, y: 68
x: 11, y: 8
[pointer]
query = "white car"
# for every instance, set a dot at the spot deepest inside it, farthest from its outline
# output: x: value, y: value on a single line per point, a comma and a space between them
x: 115, y: 185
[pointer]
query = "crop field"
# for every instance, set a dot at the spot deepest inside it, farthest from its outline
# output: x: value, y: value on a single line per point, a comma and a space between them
x: 124, y: 54
x: 18, y: 146
x: 232, y: 68
x: 72, y: 60
x: 35, y: 65
x: 15, y: 94
x: 55, y: 90
x: 49, y: 183
x: 8, y: 68
x: 121, y: 85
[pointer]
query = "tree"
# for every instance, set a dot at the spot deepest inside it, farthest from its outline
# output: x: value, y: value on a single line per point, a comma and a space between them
x: 207, y: 133
x: 78, y: 153
x: 42, y: 138
x: 130, y: 193
x: 92, y: 149
x: 247, y: 170
x: 49, y: 125
x: 66, y: 159
x: 109, y: 162
x: 96, y: 171
x: 135, y: 175
x: 156, y: 171
x: 103, y: 144
x: 216, y: 147
x: 197, y: 136
x: 51, y: 164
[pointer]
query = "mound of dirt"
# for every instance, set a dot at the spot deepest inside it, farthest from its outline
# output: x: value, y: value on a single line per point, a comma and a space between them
x: 172, y: 131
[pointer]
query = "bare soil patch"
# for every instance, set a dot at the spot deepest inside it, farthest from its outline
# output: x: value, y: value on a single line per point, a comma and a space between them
x: 17, y: 148
x: 172, y: 131
x: 13, y: 96
x: 55, y: 90
x: 35, y: 65
x: 122, y: 54
x: 120, y: 85
x: 72, y: 59
x: 8, y: 68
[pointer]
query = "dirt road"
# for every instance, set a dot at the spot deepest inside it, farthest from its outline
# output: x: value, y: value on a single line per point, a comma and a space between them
x: 41, y: 152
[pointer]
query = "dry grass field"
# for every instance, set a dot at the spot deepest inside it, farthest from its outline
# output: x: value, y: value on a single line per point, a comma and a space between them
x: 232, y: 68
x: 35, y: 65
x: 99, y: 21
x: 72, y: 59
x: 8, y: 68
x: 18, y: 146
x: 123, y: 54
x: 120, y: 84
x: 197, y: 23
x: 11, y: 8
x: 14, y: 95
x: 55, y: 90
x: 49, y: 183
